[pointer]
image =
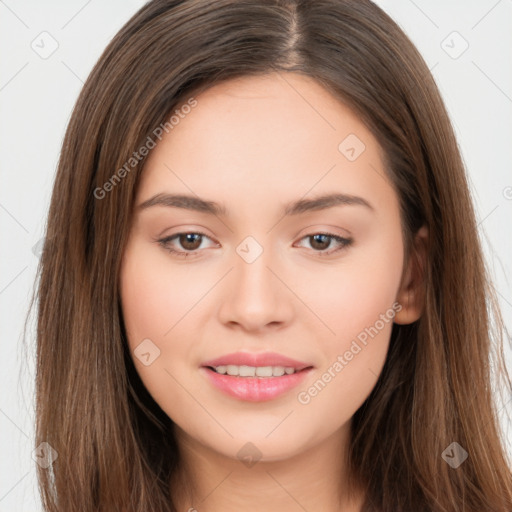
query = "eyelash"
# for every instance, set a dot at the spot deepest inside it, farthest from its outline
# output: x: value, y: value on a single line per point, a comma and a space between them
x: 164, y: 242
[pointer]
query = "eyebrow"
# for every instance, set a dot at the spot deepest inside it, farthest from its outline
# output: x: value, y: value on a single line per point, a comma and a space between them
x: 195, y: 203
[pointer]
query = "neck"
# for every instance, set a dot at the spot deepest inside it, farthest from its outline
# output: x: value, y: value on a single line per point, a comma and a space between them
x: 316, y: 479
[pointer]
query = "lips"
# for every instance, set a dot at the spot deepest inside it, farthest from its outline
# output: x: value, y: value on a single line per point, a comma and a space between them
x: 255, y: 377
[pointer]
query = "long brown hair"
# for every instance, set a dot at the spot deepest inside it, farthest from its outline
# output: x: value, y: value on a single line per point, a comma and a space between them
x: 116, y: 449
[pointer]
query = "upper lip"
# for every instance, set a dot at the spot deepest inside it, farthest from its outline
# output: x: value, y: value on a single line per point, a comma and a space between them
x: 251, y: 359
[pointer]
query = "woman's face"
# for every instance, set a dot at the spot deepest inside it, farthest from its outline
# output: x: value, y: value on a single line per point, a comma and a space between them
x: 263, y: 282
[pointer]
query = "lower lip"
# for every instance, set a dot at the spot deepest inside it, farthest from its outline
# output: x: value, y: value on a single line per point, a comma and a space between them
x: 255, y: 389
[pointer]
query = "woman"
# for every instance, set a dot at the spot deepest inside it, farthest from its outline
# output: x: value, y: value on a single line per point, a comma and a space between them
x: 325, y: 346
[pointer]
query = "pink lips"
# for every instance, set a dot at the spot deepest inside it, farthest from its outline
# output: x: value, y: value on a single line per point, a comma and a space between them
x: 255, y: 389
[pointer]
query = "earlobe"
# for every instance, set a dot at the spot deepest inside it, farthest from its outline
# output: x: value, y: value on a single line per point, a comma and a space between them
x: 411, y: 295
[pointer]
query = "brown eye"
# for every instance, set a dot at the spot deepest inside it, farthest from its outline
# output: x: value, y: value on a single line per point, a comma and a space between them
x: 189, y: 241
x: 183, y: 244
x: 319, y: 242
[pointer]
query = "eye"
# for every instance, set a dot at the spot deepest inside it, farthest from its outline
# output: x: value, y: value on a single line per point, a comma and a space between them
x: 190, y: 241
x: 322, y: 241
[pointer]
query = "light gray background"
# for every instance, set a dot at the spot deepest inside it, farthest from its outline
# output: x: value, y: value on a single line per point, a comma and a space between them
x: 36, y: 98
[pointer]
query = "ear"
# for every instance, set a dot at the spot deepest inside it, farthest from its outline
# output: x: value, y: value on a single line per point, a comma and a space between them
x: 411, y: 295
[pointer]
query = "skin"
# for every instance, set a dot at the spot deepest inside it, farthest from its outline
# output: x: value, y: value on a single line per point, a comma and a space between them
x: 254, y: 144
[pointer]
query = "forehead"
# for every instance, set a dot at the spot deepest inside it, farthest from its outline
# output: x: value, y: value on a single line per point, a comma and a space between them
x: 255, y: 139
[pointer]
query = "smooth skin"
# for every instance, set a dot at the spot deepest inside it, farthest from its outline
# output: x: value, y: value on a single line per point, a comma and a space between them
x: 253, y: 145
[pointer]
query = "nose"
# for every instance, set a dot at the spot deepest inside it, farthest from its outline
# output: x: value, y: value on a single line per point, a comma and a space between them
x: 256, y: 297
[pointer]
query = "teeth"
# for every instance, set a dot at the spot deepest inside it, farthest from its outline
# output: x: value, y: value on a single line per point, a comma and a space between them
x: 246, y: 371
x: 254, y: 371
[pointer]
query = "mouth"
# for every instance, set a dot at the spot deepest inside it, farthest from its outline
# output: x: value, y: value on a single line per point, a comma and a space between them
x: 255, y: 377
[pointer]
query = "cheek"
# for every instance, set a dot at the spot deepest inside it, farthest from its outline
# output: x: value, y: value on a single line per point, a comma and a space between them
x: 155, y: 296
x: 155, y: 302
x: 358, y: 305
x: 351, y: 295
